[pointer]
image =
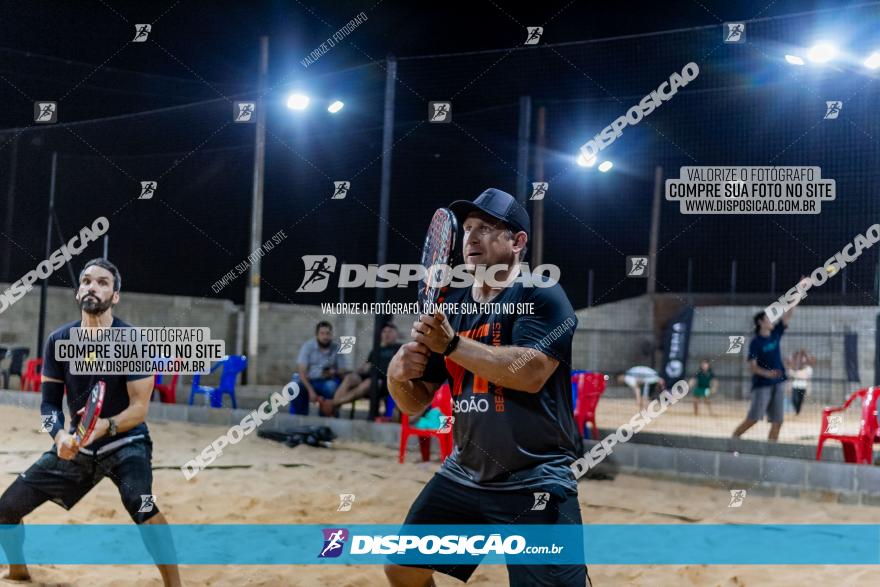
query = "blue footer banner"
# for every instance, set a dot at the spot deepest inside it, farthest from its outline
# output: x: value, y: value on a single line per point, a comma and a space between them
x: 298, y: 544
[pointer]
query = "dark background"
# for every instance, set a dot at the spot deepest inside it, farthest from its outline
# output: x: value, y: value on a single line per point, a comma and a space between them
x: 161, y: 110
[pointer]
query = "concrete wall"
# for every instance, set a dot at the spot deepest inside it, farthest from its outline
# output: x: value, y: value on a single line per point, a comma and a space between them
x: 283, y: 327
x: 609, y: 337
x: 614, y: 336
x: 758, y: 474
x: 618, y: 335
x: 819, y: 329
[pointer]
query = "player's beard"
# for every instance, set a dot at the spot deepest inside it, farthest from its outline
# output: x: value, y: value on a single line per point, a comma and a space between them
x: 91, y: 304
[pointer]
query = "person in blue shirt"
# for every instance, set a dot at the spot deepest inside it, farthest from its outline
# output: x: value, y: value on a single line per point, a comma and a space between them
x: 768, y: 375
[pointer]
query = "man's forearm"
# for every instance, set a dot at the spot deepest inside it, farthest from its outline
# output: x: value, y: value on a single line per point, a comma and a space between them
x: 494, y: 364
x: 410, y: 396
x: 130, y: 417
x: 304, y: 379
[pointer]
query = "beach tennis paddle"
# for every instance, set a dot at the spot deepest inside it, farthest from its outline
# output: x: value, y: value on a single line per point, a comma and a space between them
x: 436, y: 255
x: 90, y: 413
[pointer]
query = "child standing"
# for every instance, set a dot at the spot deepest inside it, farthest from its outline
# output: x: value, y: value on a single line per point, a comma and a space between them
x: 704, y: 385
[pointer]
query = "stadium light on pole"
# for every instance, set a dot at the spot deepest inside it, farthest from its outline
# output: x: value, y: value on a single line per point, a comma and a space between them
x: 822, y: 52
x: 873, y: 60
x: 335, y: 107
x: 252, y: 293
x: 298, y: 102
x: 604, y: 166
x: 585, y: 161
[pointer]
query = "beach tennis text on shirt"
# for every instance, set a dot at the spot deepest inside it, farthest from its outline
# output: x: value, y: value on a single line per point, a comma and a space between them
x: 136, y: 350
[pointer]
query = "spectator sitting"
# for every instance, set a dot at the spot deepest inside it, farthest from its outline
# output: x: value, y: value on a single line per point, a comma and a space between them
x: 357, y: 384
x: 640, y: 379
x: 319, y: 367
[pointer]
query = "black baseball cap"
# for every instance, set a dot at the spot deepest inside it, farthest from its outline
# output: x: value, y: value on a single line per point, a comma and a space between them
x: 497, y: 204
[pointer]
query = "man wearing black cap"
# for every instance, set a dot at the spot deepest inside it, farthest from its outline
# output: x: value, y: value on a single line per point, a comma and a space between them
x: 510, y: 376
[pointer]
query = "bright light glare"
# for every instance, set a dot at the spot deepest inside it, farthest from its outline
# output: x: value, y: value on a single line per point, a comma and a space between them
x: 794, y: 59
x: 605, y: 166
x: 873, y: 60
x: 335, y: 107
x: 298, y: 102
x: 585, y: 161
x: 822, y: 52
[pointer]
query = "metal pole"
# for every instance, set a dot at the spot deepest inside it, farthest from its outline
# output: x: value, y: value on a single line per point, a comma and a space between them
x: 733, y: 277
x: 252, y: 293
x: 538, y: 205
x: 690, y: 276
x: 61, y: 239
x: 655, y: 230
x: 384, y: 211
x: 10, y: 209
x: 877, y: 280
x: 44, y: 283
x: 522, y: 150
x: 385, y: 178
x: 590, y: 288
x: 342, y: 289
x: 772, y: 277
x: 877, y: 352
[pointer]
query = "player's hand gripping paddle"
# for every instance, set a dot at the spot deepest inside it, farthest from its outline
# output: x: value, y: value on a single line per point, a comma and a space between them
x: 90, y: 413
x: 436, y: 254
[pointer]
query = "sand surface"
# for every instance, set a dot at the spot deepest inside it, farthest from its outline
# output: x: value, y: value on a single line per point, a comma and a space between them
x: 726, y: 416
x: 271, y: 493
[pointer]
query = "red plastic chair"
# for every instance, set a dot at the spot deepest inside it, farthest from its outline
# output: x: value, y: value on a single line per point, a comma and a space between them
x: 857, y: 448
x: 590, y: 387
x: 30, y: 381
x: 167, y: 391
x: 442, y: 401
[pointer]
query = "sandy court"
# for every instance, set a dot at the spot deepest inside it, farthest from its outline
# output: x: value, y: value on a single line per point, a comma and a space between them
x: 301, y: 485
x: 680, y: 419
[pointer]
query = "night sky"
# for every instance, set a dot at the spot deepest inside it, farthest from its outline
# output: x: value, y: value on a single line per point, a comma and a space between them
x: 162, y: 110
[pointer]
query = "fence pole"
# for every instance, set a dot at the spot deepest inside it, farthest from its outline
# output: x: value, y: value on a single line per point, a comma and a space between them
x: 522, y: 148
x: 772, y: 277
x: 732, y: 278
x: 654, y: 234
x: 690, y: 276
x: 590, y: 288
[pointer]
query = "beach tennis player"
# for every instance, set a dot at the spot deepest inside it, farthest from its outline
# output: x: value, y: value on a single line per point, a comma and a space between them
x: 768, y: 375
x: 515, y: 435
x: 118, y: 447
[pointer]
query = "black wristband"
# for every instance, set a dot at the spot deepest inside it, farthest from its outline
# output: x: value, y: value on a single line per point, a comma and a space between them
x: 453, y: 344
x: 52, y: 415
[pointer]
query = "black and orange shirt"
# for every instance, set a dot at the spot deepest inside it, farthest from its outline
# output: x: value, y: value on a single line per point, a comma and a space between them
x: 506, y: 439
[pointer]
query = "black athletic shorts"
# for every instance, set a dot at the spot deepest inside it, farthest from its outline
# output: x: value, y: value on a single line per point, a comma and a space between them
x: 444, y: 501
x: 66, y: 482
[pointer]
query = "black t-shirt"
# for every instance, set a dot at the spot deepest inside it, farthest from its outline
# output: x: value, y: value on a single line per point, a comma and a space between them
x: 79, y: 386
x: 507, y: 439
x: 380, y: 363
x: 768, y: 353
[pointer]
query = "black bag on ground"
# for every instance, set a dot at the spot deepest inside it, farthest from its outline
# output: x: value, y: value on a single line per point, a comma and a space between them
x: 311, y: 435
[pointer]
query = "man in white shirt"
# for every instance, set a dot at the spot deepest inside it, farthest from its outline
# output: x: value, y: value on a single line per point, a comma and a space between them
x: 640, y: 379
